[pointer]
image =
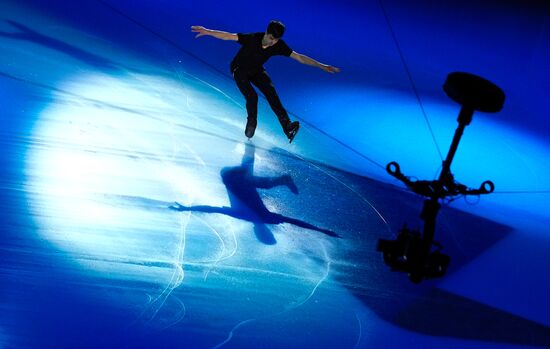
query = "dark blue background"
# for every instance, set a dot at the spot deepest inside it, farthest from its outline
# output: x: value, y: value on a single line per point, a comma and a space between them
x: 507, y: 42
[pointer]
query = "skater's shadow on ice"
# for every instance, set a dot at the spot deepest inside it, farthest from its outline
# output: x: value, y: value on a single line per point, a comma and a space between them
x: 246, y: 203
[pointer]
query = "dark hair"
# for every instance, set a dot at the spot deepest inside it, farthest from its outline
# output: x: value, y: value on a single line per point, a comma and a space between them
x: 276, y: 28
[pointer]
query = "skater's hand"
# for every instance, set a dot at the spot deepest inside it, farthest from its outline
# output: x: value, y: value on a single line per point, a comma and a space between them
x: 330, y: 69
x: 200, y: 30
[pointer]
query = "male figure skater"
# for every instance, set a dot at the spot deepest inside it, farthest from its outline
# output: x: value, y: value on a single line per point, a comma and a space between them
x: 247, y: 69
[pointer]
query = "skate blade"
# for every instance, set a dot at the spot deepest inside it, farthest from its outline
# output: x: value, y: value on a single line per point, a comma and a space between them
x: 293, y: 134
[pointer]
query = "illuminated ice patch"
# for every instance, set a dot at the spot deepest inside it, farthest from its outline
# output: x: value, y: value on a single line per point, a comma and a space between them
x: 115, y: 153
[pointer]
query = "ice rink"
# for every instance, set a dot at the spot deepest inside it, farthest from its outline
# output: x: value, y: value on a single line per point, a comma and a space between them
x: 136, y: 214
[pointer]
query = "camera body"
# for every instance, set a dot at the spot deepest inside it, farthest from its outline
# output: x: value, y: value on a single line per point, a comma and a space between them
x: 411, y: 254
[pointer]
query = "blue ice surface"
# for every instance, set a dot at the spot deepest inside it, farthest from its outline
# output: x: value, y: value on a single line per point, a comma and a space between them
x: 113, y: 112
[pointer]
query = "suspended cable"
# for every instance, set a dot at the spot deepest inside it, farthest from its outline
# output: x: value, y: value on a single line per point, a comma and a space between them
x: 405, y: 66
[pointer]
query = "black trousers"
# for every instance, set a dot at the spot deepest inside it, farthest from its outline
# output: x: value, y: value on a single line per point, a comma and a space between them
x: 262, y: 81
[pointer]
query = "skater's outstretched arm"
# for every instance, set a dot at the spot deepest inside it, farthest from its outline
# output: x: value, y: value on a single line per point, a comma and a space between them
x: 310, y: 61
x: 218, y: 34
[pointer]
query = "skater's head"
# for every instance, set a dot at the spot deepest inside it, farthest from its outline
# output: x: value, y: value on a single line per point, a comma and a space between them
x: 276, y: 28
x: 274, y: 32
